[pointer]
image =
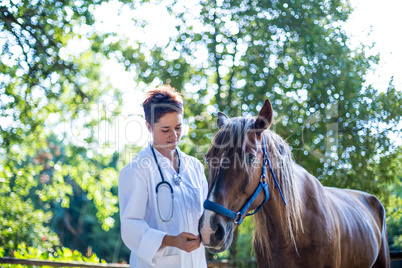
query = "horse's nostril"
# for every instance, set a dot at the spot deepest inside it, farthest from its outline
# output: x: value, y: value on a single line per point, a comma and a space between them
x: 220, y: 232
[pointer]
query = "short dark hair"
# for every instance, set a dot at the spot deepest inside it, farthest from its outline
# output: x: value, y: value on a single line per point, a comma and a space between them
x: 160, y: 101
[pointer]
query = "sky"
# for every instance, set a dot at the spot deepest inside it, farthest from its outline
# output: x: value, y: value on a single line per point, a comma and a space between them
x: 372, y: 21
x: 379, y: 22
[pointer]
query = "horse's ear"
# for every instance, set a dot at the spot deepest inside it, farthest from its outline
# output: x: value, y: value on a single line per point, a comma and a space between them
x: 264, y: 119
x: 222, y: 118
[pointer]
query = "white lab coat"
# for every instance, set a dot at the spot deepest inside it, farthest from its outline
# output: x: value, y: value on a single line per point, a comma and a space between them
x: 141, y: 228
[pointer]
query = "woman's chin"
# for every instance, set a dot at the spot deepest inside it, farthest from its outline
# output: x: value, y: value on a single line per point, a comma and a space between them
x: 167, y: 146
x: 172, y: 145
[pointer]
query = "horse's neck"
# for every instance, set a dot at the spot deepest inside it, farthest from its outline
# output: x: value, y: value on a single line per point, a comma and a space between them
x: 275, y: 213
x: 275, y: 210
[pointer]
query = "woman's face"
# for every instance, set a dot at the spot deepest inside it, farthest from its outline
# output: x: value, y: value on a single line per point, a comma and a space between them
x: 166, y: 133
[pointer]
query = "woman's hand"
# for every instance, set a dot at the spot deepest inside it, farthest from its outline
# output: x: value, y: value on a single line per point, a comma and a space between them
x: 184, y: 241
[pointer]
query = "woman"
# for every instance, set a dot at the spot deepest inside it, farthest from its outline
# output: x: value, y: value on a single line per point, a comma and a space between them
x: 161, y: 192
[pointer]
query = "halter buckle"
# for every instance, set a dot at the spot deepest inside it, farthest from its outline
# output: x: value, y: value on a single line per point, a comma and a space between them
x: 238, y: 218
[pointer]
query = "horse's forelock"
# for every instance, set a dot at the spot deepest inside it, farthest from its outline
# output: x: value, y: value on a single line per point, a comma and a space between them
x: 231, y: 139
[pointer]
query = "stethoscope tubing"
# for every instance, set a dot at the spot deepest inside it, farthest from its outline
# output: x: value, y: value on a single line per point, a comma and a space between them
x: 163, y: 182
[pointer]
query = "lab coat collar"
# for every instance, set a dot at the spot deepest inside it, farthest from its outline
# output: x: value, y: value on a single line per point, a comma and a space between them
x: 163, y: 161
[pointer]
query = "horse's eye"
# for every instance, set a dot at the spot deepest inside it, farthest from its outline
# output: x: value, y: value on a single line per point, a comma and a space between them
x: 250, y: 159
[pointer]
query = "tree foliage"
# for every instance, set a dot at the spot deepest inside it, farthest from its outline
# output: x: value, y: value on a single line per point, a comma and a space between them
x: 394, y: 208
x: 52, y: 96
x: 57, y: 254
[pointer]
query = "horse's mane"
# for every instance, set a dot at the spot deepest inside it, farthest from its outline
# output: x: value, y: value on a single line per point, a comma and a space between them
x: 282, y: 163
x: 234, y: 134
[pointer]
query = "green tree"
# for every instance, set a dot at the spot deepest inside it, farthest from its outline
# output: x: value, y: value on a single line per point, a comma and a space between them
x: 394, y: 208
x: 52, y: 93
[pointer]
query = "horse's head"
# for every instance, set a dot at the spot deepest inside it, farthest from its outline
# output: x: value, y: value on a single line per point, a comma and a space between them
x: 235, y: 159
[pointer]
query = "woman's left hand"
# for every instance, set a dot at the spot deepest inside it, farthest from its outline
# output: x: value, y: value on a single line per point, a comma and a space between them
x: 184, y: 241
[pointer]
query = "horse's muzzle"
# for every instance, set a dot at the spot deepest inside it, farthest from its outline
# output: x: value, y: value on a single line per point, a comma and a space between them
x: 216, y: 233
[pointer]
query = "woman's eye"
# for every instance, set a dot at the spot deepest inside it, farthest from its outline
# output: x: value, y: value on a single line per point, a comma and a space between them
x: 250, y: 159
x: 166, y: 131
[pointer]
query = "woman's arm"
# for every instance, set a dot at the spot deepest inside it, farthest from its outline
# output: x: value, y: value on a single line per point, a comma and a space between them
x: 184, y: 241
x: 135, y: 231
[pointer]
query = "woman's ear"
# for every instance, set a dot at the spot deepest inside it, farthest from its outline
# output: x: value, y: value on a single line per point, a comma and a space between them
x: 148, y: 126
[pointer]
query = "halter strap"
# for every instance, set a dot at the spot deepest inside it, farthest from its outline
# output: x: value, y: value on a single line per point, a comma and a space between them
x: 238, y: 217
x: 262, y: 185
x: 267, y: 161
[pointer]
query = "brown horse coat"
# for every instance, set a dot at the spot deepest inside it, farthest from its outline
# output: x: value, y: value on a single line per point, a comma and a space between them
x: 319, y: 227
x: 342, y: 228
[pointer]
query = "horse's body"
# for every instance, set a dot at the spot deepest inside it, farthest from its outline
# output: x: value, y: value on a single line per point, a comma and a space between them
x: 342, y: 228
x: 319, y: 227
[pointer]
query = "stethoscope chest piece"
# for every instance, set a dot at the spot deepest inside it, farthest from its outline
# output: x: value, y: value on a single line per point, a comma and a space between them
x: 177, y: 179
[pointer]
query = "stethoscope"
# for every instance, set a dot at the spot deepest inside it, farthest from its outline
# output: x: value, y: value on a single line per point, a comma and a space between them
x: 177, y: 180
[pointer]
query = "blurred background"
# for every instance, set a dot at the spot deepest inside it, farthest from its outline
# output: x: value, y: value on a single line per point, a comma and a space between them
x: 73, y: 76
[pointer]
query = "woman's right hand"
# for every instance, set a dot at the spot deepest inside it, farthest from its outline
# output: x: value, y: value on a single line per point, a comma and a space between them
x: 184, y: 241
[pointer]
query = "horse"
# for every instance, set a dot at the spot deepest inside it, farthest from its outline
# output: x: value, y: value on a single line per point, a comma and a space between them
x: 298, y: 221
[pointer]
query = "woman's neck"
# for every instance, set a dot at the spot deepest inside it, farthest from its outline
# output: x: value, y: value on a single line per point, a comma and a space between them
x: 170, y: 155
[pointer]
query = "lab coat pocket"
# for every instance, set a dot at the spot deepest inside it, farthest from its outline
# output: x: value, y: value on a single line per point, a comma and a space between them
x: 196, y: 200
x: 170, y: 261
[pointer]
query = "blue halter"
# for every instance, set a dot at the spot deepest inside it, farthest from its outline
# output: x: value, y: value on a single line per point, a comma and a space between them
x: 238, y: 217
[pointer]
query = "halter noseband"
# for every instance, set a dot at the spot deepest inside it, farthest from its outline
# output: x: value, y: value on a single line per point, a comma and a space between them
x: 262, y: 185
